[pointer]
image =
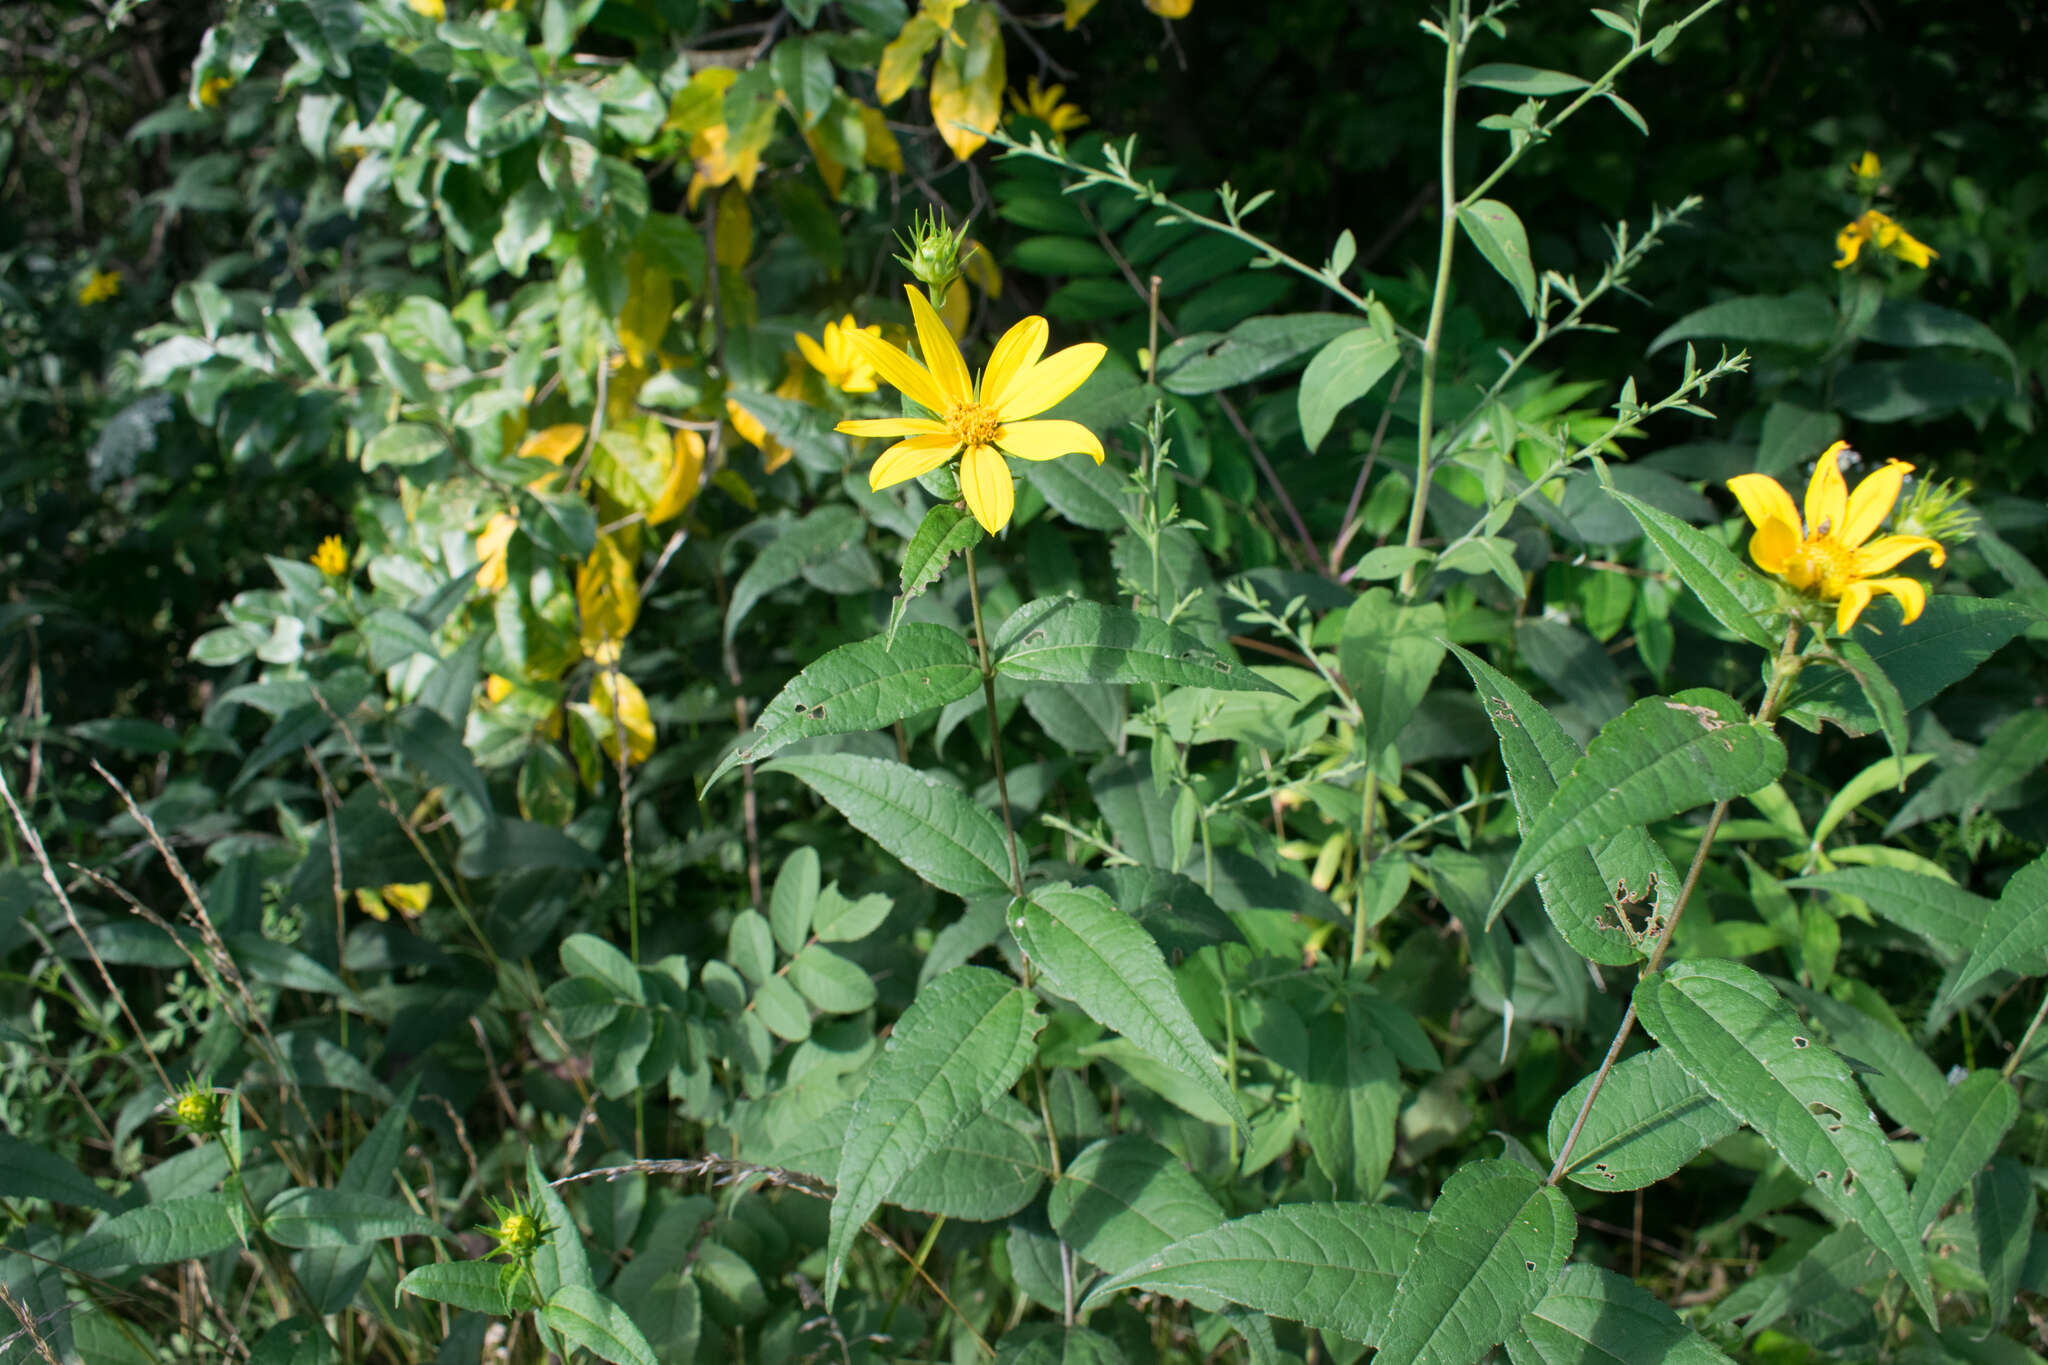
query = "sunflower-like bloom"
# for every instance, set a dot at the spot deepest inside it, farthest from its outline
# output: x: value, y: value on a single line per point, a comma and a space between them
x: 1049, y: 105
x: 845, y: 368
x: 980, y: 422
x: 1827, y: 557
x: 100, y: 286
x: 332, y: 557
x: 1880, y: 229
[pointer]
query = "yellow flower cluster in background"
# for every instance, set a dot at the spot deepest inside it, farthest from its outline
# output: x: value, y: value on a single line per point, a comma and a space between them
x: 841, y: 362
x: 409, y: 899
x: 1048, y: 104
x: 212, y: 88
x: 1880, y: 230
x: 99, y: 286
x: 331, y: 558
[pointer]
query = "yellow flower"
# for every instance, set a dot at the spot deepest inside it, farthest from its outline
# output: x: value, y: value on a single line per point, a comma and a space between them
x: 407, y: 898
x: 1827, y: 558
x: 1867, y: 167
x: 1879, y: 228
x: 100, y: 286
x: 332, y: 557
x: 1044, y: 103
x: 980, y: 422
x: 844, y: 367
x: 437, y: 10
x: 212, y: 88
x: 1077, y: 10
x: 492, y: 545
x: 1170, y: 9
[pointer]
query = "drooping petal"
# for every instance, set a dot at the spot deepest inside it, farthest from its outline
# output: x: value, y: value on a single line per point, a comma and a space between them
x: 1764, y: 500
x: 909, y: 458
x: 1827, y: 494
x: 816, y: 354
x: 903, y: 372
x: 1887, y: 551
x: 985, y: 483
x: 1048, y: 440
x: 892, y: 426
x: 1855, y: 598
x: 1849, y: 241
x: 1014, y: 355
x: 1872, y: 502
x: 941, y: 355
x: 1911, y: 592
x: 1050, y: 380
x: 1773, y: 545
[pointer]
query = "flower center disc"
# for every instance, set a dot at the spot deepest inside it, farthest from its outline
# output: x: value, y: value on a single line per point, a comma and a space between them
x: 1821, y: 565
x: 976, y: 424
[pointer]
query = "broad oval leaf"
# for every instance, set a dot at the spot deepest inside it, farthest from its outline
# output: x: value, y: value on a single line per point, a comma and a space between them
x: 1945, y: 645
x: 1343, y: 372
x: 1104, y: 961
x: 936, y: 830
x: 478, y: 1286
x: 341, y: 1218
x: 1390, y: 652
x: 1662, y: 756
x: 1331, y: 1266
x: 1068, y: 639
x: 1592, y: 1315
x: 1498, y: 233
x: 1496, y: 1238
x: 1737, y: 596
x: 964, y: 1041
x: 987, y: 1170
x: 867, y: 685
x: 1728, y: 1028
x: 1126, y: 1198
x: 1255, y: 347
x: 1805, y: 319
x: 1649, y: 1119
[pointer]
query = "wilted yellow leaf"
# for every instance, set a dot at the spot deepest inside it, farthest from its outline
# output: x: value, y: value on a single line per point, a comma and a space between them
x: 650, y: 299
x: 1077, y: 10
x: 686, y: 470
x: 608, y: 593
x: 492, y: 545
x: 902, y: 58
x: 553, y: 443
x: 882, y: 148
x: 732, y: 233
x: 618, y: 700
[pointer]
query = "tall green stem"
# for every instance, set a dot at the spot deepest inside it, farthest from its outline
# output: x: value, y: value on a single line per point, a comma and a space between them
x: 995, y: 728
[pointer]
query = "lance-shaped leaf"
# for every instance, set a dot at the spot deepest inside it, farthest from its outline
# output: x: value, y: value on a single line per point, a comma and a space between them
x: 944, y: 532
x: 1126, y: 1198
x: 1729, y: 1029
x: 1067, y: 639
x: 155, y: 1234
x: 1390, y: 653
x: 342, y: 1218
x: 1734, y: 594
x: 936, y: 829
x: 1496, y: 1238
x: 2002, y: 1214
x: 964, y: 1041
x: 1944, y: 914
x: 862, y: 686
x: 1945, y: 645
x: 1903, y: 1080
x: 1662, y: 756
x: 1331, y: 1266
x: 1649, y: 1119
x: 1583, y: 888
x: 1104, y: 961
x: 815, y: 539
x: 1966, y: 1133
x: 1839, y: 1263
x: 2013, y: 937
x: 1592, y: 1315
x: 1350, y: 1101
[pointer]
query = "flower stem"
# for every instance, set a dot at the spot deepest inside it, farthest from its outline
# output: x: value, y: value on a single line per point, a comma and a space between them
x: 995, y: 728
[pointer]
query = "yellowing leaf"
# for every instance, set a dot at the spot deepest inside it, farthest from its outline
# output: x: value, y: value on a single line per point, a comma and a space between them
x: 650, y: 299
x: 1077, y: 10
x: 631, y: 466
x: 902, y: 58
x: 685, y: 471
x: 701, y: 103
x: 408, y: 898
x: 732, y: 234
x: 980, y: 267
x: 882, y: 148
x: 608, y: 593
x: 967, y: 85
x: 492, y: 545
x: 953, y: 312
x: 553, y: 443
x: 618, y: 700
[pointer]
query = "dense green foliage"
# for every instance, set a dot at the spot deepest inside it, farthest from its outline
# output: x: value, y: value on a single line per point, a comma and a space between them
x: 516, y: 848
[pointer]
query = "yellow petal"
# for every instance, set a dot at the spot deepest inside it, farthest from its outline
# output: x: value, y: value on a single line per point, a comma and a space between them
x: 1855, y: 598
x: 1050, y: 380
x: 913, y: 379
x: 1872, y: 502
x: 892, y: 426
x: 909, y: 458
x: 941, y: 356
x: 1763, y: 500
x: 1773, y: 545
x: 1827, y: 495
x: 815, y: 353
x: 1887, y: 551
x: 1849, y: 241
x: 1015, y: 354
x: 1911, y: 592
x: 1048, y: 440
x: 985, y: 483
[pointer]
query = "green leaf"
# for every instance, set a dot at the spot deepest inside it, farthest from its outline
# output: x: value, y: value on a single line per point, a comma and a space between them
x: 945, y: 531
x: 476, y: 1286
x: 936, y: 829
x: 1498, y: 233
x: 803, y: 72
x: 322, y: 31
x: 1105, y: 962
x: 1330, y: 1266
x: 1734, y: 594
x: 2002, y: 1205
x: 963, y: 1042
x: 1067, y: 639
x: 1592, y: 1316
x: 1967, y: 1130
x: 1904, y: 1082
x: 1649, y: 1119
x: 174, y: 1230
x: 1496, y: 1238
x: 1390, y: 653
x: 1730, y: 1030
x: 402, y: 445
x: 867, y: 685
x: 782, y: 1010
x: 1206, y: 362
x: 794, y: 900
x: 1805, y: 320
x: 1953, y: 636
x: 1125, y: 1198
x: 817, y: 538
x: 588, y: 955
x: 1343, y: 372
x: 1941, y: 912
x: 1350, y: 1101
x: 1582, y: 887
x: 332, y: 1275
x: 832, y: 983
x: 987, y: 1170
x: 587, y: 1319
x: 29, y: 1172
x: 2013, y: 937
x: 1879, y: 693
x: 341, y: 1218
x: 1661, y: 757
x: 1517, y: 79
x: 1839, y: 1263
x: 1057, y: 254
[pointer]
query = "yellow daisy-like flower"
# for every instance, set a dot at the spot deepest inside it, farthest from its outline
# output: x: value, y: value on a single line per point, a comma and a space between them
x: 1047, y: 105
x: 437, y: 10
x: 1879, y: 228
x: 1827, y: 556
x: 99, y: 286
x: 980, y: 422
x: 212, y: 88
x: 845, y: 368
x: 331, y: 558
